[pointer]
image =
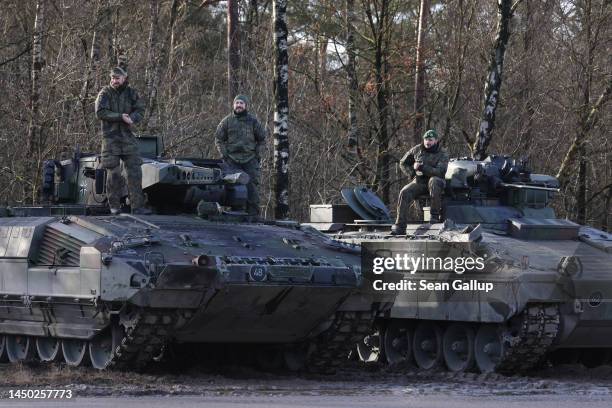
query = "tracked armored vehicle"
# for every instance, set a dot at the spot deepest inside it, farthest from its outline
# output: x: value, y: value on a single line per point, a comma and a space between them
x: 537, y: 288
x: 80, y: 285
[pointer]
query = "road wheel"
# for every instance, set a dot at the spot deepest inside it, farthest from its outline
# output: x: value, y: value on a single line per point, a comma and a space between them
x: 458, y: 347
x: 488, y: 348
x: 398, y: 342
x: 427, y: 345
x: 20, y: 348
x: 103, y: 346
x: 49, y: 349
x: 75, y: 352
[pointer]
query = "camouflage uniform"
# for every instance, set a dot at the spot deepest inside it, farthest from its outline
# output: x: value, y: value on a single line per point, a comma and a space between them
x: 240, y: 139
x: 434, y: 166
x: 119, y: 144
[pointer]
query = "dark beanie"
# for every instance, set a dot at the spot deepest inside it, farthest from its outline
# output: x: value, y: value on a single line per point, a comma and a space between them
x: 242, y: 98
x: 430, y: 134
x: 119, y: 71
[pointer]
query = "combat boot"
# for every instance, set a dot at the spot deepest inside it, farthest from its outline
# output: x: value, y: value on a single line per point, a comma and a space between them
x: 398, y: 229
x: 115, y: 211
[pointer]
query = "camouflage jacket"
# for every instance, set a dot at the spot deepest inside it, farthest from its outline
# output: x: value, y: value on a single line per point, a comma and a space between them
x: 112, y: 103
x: 434, y: 163
x: 240, y: 137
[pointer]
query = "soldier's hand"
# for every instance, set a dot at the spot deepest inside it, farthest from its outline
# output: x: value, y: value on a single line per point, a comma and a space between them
x: 417, y: 165
x: 127, y: 119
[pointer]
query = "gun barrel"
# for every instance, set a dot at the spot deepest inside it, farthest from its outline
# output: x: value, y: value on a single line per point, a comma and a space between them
x: 529, y: 187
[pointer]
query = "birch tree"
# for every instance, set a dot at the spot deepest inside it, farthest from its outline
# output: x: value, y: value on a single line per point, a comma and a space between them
x: 419, y: 81
x: 233, y: 50
x: 586, y: 124
x: 152, y: 49
x: 351, y: 74
x: 281, y: 112
x: 34, y: 131
x: 93, y: 64
x: 493, y: 82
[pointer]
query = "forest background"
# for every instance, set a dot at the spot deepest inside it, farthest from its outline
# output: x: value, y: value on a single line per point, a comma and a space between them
x: 365, y: 78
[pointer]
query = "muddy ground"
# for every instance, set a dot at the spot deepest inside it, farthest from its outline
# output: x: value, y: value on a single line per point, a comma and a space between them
x: 572, y: 381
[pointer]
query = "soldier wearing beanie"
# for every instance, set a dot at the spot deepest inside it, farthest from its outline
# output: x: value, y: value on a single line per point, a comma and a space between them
x: 119, y: 108
x: 426, y: 165
x: 240, y: 139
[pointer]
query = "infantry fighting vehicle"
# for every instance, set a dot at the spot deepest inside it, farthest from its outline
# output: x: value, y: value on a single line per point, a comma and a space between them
x: 499, y: 286
x: 79, y: 285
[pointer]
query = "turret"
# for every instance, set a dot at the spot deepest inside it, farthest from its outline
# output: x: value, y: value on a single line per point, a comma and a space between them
x: 490, y: 192
x: 499, y: 180
x: 502, y: 194
x: 170, y: 185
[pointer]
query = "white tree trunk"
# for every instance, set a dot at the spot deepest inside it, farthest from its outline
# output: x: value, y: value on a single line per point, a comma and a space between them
x: 353, y: 130
x: 233, y: 50
x: 281, y: 113
x: 493, y: 82
x: 419, y: 81
x: 34, y: 131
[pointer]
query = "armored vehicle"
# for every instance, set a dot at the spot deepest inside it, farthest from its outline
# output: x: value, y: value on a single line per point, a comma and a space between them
x: 501, y: 285
x: 80, y: 285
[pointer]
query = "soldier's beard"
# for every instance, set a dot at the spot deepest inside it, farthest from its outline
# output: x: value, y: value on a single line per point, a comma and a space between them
x: 119, y: 87
x: 240, y: 113
x: 433, y: 148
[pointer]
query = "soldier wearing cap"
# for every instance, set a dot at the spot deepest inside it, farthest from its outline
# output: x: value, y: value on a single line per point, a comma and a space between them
x: 426, y: 165
x: 240, y: 139
x: 119, y: 107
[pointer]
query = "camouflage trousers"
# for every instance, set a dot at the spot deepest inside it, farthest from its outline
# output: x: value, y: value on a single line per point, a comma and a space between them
x: 253, y: 169
x: 115, y: 150
x: 434, y: 187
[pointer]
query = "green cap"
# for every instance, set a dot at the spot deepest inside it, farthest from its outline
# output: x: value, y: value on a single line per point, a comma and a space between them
x: 242, y: 98
x: 119, y: 71
x: 430, y: 134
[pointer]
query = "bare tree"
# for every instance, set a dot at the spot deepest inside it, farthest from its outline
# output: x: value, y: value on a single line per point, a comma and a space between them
x: 233, y: 49
x: 419, y: 81
x: 34, y: 132
x: 281, y: 113
x: 587, y: 123
x: 152, y: 49
x: 353, y: 129
x: 461, y: 43
x: 527, y: 88
x: 379, y: 18
x: 93, y: 64
x: 493, y: 82
x: 158, y: 57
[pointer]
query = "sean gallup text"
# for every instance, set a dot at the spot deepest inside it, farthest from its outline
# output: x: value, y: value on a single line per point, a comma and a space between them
x: 424, y: 284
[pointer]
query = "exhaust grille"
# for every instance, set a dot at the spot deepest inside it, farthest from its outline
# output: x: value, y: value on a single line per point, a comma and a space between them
x: 59, y: 249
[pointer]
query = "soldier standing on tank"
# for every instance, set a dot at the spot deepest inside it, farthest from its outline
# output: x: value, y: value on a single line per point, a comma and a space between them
x: 426, y: 164
x: 240, y: 139
x: 119, y: 107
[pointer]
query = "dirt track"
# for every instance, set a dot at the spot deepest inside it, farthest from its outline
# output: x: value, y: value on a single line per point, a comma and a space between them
x: 354, y: 386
